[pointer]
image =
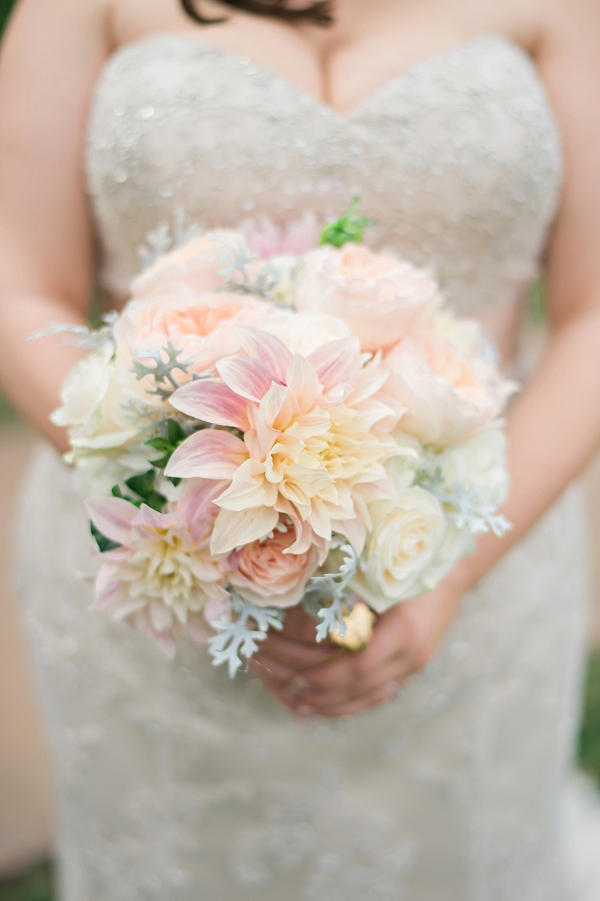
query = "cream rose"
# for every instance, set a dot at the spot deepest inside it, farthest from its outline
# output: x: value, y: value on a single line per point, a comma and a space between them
x: 263, y: 573
x: 378, y: 297
x: 92, y: 406
x: 481, y: 462
x: 305, y: 332
x: 447, y: 396
x: 193, y: 268
x: 407, y: 532
x: 84, y: 388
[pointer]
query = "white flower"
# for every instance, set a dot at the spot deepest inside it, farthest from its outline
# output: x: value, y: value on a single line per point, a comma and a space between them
x: 407, y: 532
x: 287, y: 268
x: 305, y: 332
x: 84, y: 388
x: 481, y: 462
x: 92, y: 406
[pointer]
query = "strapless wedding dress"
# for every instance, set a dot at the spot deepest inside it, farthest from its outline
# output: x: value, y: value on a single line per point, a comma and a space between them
x: 173, y: 782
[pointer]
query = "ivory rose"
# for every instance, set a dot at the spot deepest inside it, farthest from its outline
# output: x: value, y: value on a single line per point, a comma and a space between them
x: 304, y: 332
x: 262, y: 571
x: 378, y: 297
x: 406, y: 534
x: 445, y: 395
x: 481, y: 462
x: 194, y: 268
x: 92, y: 409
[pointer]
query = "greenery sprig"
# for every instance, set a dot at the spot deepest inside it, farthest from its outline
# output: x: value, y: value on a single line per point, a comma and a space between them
x: 349, y: 228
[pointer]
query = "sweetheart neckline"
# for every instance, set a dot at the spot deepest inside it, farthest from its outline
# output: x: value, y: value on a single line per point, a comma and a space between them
x: 357, y: 109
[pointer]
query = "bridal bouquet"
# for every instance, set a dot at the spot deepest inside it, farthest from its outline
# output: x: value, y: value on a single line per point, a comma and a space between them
x: 257, y: 432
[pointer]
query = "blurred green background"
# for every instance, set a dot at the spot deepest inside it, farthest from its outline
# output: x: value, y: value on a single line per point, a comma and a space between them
x: 5, y: 8
x: 36, y: 883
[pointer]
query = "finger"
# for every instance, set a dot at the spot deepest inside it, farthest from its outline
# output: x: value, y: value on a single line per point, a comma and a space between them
x: 284, y: 697
x: 294, y: 653
x: 385, y: 645
x: 352, y: 707
x: 392, y: 674
x: 299, y: 626
x: 264, y: 665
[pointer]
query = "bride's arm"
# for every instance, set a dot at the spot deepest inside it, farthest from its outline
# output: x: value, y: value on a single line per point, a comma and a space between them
x: 48, y: 63
x: 553, y: 428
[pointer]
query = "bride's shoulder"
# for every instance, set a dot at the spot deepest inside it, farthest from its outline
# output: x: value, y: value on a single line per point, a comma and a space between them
x: 43, y: 21
x: 565, y: 23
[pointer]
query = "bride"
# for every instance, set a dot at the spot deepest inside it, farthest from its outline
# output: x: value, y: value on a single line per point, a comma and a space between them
x: 435, y: 765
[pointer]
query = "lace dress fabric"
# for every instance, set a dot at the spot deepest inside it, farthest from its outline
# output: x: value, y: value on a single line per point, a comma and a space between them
x: 175, y: 783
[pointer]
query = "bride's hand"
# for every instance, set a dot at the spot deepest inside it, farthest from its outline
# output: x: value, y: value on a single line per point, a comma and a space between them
x: 324, y: 680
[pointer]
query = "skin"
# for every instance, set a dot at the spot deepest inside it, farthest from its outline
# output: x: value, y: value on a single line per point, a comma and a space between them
x: 49, y: 63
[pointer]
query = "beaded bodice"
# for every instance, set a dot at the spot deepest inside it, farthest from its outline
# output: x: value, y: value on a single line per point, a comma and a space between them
x: 457, y: 159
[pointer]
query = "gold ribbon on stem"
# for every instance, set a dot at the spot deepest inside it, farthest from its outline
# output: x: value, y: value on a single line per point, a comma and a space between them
x: 360, y: 620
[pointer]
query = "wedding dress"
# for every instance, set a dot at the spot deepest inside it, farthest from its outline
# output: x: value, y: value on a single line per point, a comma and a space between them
x: 175, y: 783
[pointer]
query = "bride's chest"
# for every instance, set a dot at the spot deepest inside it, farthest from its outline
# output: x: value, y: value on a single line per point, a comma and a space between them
x: 456, y: 158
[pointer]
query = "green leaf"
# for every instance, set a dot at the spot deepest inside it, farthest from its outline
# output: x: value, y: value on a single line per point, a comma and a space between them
x: 175, y: 433
x: 156, y: 500
x: 142, y: 485
x: 160, y: 444
x: 168, y: 445
x: 104, y: 543
x: 350, y: 228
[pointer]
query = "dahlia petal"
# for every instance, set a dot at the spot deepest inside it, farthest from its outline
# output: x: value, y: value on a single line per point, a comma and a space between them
x: 261, y: 437
x: 372, y: 412
x: 210, y: 400
x: 126, y: 607
x: 272, y: 352
x: 208, y: 454
x: 320, y: 519
x: 337, y: 362
x: 248, y: 488
x: 302, y: 381
x: 279, y: 406
x: 233, y: 529
x: 161, y: 616
x: 113, y: 517
x: 107, y: 591
x: 355, y: 531
x: 197, y: 508
x: 370, y: 380
x: 246, y: 378
x: 148, y: 521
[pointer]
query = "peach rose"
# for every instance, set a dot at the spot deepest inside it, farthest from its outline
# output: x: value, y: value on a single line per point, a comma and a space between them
x: 193, y: 268
x: 377, y: 296
x: 263, y: 573
x: 446, y: 395
x: 202, y: 327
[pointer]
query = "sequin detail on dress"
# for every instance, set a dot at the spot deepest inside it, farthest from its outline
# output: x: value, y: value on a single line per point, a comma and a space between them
x: 457, y: 159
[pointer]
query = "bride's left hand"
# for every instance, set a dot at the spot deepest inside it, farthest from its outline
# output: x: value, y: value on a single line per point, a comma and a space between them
x: 324, y: 680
